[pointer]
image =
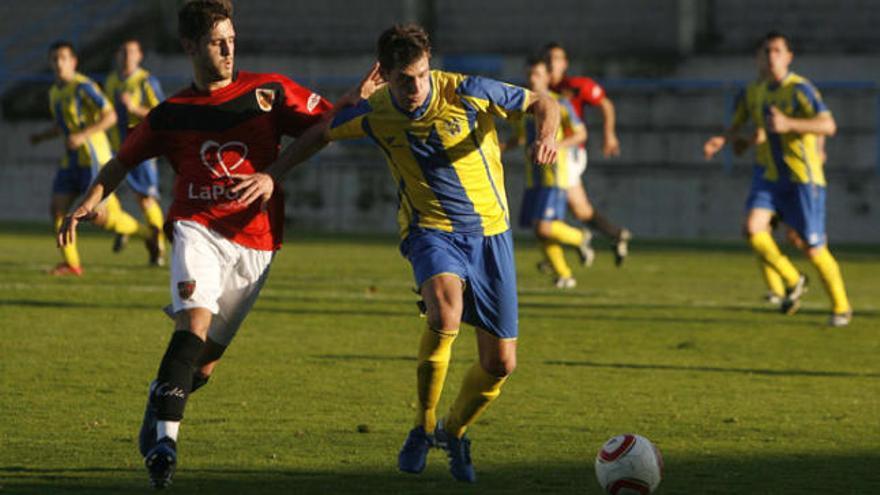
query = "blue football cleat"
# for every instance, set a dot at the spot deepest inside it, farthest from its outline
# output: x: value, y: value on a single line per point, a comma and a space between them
x: 413, y: 455
x: 459, y: 452
x: 161, y: 462
x: 147, y: 437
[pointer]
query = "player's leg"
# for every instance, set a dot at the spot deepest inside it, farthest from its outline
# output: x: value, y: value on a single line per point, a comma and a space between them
x: 490, y: 305
x: 584, y: 211
x: 144, y: 181
x: 810, y: 226
x: 757, y: 226
x: 71, y: 265
x: 439, y: 271
x: 113, y: 218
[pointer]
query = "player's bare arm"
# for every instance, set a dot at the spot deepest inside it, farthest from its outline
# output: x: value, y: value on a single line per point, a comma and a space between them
x: 261, y: 185
x: 611, y: 146
x: 139, y: 111
x: 822, y: 124
x: 108, y: 179
x: 714, y: 144
x: 77, y: 139
x: 46, y: 134
x: 578, y: 137
x: 546, y: 113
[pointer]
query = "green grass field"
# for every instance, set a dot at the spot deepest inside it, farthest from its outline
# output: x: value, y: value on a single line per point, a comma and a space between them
x: 676, y: 346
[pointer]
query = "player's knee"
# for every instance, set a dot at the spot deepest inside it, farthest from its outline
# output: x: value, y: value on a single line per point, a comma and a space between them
x: 444, y: 318
x: 543, y: 230
x: 499, y: 365
x: 196, y: 321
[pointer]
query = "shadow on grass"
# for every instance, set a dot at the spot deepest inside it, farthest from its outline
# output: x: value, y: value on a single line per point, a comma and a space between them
x: 363, y: 357
x: 715, y: 369
x: 752, y: 475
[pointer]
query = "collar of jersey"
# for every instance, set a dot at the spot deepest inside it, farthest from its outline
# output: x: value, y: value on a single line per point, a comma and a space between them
x: 123, y: 78
x: 775, y: 84
x: 418, y: 112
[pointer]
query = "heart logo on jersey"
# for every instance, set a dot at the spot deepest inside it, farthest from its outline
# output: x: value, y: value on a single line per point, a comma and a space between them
x: 223, y: 159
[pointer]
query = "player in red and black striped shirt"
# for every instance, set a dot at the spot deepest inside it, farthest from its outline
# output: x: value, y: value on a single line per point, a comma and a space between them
x: 227, y: 125
x: 583, y: 91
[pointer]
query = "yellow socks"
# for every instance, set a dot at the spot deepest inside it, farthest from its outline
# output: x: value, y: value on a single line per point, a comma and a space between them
x: 555, y: 255
x: 766, y: 247
x: 829, y: 270
x: 120, y: 222
x: 435, y: 350
x: 153, y: 214
x: 564, y: 233
x: 478, y: 390
x: 772, y: 278
x: 69, y: 252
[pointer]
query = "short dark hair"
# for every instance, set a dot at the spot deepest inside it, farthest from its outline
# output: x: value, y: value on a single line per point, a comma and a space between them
x: 777, y: 35
x: 534, y: 60
x: 401, y: 45
x: 553, y: 45
x: 59, y: 44
x: 196, y: 18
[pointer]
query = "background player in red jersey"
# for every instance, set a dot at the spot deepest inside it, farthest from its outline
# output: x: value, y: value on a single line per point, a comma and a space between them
x: 584, y: 91
x: 226, y: 122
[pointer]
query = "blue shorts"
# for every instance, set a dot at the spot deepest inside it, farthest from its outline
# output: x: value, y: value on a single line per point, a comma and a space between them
x: 800, y: 206
x: 73, y: 180
x: 145, y: 178
x: 542, y: 204
x: 486, y: 266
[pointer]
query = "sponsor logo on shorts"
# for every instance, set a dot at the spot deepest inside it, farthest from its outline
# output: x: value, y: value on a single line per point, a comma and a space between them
x: 186, y: 288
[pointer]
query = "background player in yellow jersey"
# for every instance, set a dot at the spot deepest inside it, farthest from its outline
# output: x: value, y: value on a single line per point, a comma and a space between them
x: 82, y: 115
x: 793, y: 114
x: 544, y: 201
x: 437, y: 132
x: 135, y: 92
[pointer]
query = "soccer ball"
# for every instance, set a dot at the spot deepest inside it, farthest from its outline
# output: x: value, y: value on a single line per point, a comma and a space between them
x: 629, y: 464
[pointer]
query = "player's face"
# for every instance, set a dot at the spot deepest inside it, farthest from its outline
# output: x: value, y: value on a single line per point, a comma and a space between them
x: 778, y: 57
x: 213, y: 56
x: 129, y: 57
x: 539, y: 78
x: 558, y: 63
x: 63, y: 63
x: 410, y: 85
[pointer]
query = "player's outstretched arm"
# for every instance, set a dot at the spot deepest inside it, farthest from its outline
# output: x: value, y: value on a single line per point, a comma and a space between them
x: 46, y: 134
x: 106, y: 182
x: 261, y: 185
x: 611, y: 146
x: 546, y: 113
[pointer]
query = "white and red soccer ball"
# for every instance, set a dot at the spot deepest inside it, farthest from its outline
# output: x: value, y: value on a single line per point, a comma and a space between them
x: 629, y: 464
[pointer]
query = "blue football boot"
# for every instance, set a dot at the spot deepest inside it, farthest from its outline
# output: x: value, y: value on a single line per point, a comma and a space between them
x: 161, y: 462
x: 413, y: 455
x: 459, y: 452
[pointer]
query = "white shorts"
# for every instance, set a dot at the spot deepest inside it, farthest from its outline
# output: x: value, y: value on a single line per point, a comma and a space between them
x: 210, y: 271
x: 577, y: 164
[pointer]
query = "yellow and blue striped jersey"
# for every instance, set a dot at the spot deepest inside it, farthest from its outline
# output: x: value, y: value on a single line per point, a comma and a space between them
x: 144, y: 91
x: 748, y: 110
x: 444, y: 156
x: 792, y: 156
x: 555, y: 175
x: 76, y: 105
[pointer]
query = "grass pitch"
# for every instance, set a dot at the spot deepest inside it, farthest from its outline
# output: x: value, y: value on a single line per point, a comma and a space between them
x: 317, y: 392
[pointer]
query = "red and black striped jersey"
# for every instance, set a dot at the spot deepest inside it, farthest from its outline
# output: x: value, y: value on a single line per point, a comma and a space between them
x: 209, y: 135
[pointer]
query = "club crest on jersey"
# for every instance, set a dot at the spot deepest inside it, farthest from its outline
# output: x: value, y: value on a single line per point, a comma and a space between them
x: 265, y: 99
x: 186, y: 289
x: 312, y: 102
x: 453, y: 127
x: 223, y: 159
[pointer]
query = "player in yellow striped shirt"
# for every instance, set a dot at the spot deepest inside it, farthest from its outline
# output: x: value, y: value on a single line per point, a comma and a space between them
x: 544, y: 202
x: 437, y: 132
x: 135, y: 92
x: 82, y: 115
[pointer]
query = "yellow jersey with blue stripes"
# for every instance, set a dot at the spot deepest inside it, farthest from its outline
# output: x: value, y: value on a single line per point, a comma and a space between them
x: 444, y: 156
x: 555, y: 175
x: 142, y: 89
x: 793, y: 157
x: 748, y: 110
x: 76, y: 105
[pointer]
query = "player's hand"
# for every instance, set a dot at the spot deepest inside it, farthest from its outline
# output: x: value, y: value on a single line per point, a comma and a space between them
x: 67, y: 232
x: 75, y: 140
x: 125, y: 99
x: 611, y: 146
x: 253, y: 187
x: 371, y: 82
x: 778, y: 122
x: 544, y: 151
x: 713, y: 146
